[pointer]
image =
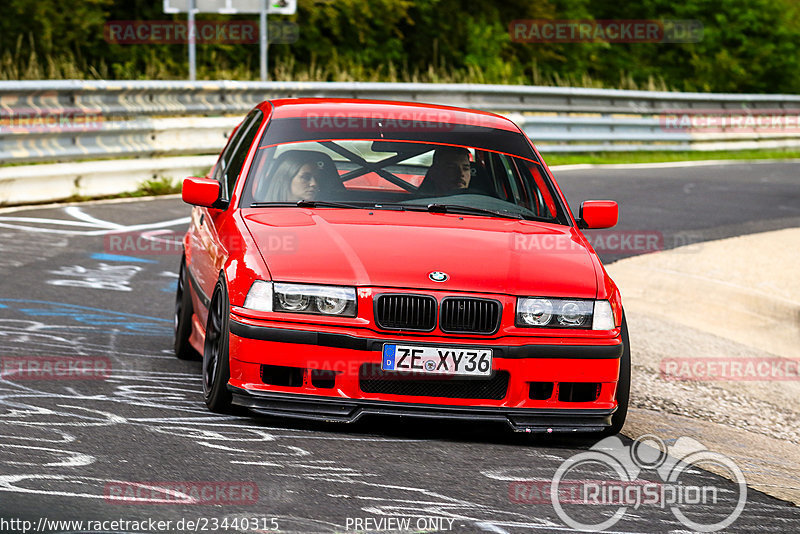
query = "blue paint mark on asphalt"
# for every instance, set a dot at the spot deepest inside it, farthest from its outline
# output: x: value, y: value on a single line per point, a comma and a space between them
x: 117, y: 257
x: 122, y: 323
x: 3, y: 306
x: 172, y: 287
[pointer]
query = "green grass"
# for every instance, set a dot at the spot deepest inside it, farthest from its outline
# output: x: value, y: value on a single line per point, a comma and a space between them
x: 156, y: 186
x: 17, y: 64
x: 657, y: 157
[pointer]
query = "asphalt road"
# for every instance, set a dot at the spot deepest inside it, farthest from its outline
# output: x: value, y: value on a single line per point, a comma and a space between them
x: 68, y: 448
x: 686, y: 205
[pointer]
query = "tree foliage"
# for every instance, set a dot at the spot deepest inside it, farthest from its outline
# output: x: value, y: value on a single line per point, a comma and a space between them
x: 747, y: 45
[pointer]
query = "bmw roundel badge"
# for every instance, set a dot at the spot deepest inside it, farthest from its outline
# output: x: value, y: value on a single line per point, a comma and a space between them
x: 438, y: 276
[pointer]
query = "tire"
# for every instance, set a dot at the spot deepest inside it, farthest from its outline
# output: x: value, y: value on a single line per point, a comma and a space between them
x: 183, y: 317
x: 623, y: 385
x: 216, y: 365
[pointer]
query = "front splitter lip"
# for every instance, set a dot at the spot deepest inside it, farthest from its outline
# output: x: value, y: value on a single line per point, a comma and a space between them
x: 341, y: 410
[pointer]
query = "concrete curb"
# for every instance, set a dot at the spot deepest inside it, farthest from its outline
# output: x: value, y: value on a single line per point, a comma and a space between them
x: 713, y: 286
x: 667, y: 164
x: 772, y: 472
x: 51, y: 182
x: 27, y: 207
x: 733, y: 299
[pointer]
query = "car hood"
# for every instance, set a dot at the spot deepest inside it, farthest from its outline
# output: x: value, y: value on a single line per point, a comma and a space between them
x: 399, y: 249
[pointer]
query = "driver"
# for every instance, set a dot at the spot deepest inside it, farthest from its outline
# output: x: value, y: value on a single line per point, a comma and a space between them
x: 450, y: 172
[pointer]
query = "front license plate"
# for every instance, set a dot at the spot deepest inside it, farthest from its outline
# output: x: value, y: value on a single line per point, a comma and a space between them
x: 437, y: 360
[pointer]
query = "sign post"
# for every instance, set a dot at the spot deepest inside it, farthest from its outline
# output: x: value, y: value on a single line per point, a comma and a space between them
x: 263, y: 41
x: 192, y: 43
x: 231, y: 7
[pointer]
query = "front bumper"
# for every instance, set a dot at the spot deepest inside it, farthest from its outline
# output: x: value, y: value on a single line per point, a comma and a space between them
x: 350, y: 410
x: 344, y: 353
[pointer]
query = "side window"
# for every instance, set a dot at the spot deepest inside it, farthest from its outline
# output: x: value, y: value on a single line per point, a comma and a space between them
x: 509, y: 172
x: 225, y: 164
x: 235, y: 162
x: 222, y: 162
x: 545, y: 204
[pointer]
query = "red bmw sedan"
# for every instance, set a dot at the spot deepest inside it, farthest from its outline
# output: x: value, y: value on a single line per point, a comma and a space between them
x: 350, y: 257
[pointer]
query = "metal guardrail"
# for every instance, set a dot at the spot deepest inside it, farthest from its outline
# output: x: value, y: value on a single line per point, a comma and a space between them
x: 192, y: 98
x: 130, y: 115
x: 136, y: 138
x: 70, y: 120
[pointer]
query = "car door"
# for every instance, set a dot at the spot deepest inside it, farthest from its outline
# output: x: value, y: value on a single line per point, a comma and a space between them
x: 209, y: 252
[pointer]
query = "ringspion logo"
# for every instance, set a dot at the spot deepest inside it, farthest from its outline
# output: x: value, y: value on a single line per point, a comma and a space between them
x: 575, y: 484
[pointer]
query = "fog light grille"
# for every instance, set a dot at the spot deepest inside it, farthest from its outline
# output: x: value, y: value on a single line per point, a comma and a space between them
x: 372, y: 379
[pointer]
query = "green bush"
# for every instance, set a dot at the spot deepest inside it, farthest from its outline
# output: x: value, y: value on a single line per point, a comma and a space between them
x: 747, y: 46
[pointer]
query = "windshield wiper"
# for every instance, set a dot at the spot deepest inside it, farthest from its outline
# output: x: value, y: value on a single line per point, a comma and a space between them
x: 432, y: 208
x: 469, y: 210
x: 308, y: 204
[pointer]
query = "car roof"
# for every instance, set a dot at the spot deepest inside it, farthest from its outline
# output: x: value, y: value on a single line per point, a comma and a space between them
x: 388, y: 109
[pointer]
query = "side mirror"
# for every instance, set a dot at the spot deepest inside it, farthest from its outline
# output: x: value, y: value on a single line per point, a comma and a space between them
x: 596, y: 214
x: 200, y: 191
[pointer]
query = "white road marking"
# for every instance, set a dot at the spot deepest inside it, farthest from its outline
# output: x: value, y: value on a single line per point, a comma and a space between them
x: 70, y: 458
x: 62, y: 222
x: 113, y: 277
x: 94, y: 225
x: 79, y: 214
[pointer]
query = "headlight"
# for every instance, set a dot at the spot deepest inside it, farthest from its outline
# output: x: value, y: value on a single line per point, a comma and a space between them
x: 534, y: 312
x: 302, y: 298
x: 292, y: 302
x: 564, y: 313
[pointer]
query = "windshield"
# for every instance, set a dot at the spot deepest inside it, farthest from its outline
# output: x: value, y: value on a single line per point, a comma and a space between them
x: 475, y: 170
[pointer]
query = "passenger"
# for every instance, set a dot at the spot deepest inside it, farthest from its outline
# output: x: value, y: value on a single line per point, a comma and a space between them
x: 302, y: 175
